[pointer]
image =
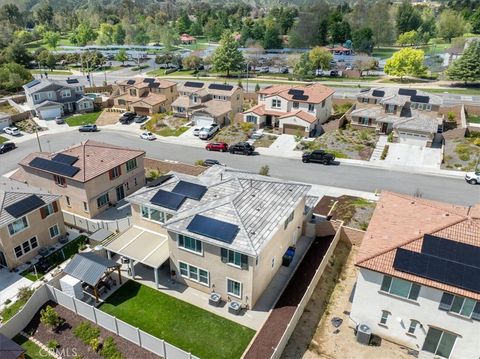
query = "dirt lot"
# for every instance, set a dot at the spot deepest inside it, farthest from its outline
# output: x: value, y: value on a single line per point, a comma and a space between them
x: 28, y: 126
x: 107, y: 118
x: 265, y: 141
x: 233, y: 133
x: 7, y: 108
x: 344, y: 143
x: 463, y: 153
x: 164, y: 124
x: 314, y: 335
x: 163, y: 167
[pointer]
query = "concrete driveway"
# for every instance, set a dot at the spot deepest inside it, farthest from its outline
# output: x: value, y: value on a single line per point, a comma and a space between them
x: 410, y: 155
x: 284, y: 143
x: 10, y: 283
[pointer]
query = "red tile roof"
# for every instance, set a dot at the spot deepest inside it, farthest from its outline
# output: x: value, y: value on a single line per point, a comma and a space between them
x: 301, y: 115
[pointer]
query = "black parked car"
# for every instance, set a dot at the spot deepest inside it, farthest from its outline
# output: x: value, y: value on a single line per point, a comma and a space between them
x: 210, y: 162
x: 334, y: 73
x: 140, y: 119
x: 7, y: 147
x: 127, y: 117
x: 242, y: 147
x: 88, y: 128
x: 319, y: 156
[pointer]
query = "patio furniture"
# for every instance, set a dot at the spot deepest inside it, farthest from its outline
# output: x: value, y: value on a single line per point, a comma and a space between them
x: 215, y: 299
x: 63, y: 240
x: 234, y: 307
x: 43, y: 251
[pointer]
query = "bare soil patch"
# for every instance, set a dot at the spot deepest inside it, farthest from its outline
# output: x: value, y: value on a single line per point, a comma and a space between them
x: 28, y: 126
x: 233, y: 133
x: 265, y: 141
x: 107, y: 118
x: 163, y: 167
x: 462, y: 154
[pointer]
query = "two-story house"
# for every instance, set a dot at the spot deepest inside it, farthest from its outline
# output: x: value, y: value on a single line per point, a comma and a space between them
x: 54, y: 98
x: 223, y: 231
x: 418, y: 281
x: 412, y: 115
x: 207, y: 104
x: 90, y: 176
x: 29, y: 220
x: 292, y: 109
x: 145, y: 96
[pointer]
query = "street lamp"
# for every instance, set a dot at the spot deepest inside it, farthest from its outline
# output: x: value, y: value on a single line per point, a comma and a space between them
x: 248, y: 68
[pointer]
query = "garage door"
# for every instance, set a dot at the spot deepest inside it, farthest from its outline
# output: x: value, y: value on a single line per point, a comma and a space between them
x: 50, y: 113
x: 141, y: 110
x: 412, y: 138
x: 202, y: 121
x: 4, y: 123
x: 293, y: 129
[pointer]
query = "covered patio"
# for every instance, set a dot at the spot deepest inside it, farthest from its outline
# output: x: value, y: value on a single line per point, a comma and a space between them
x: 138, y: 245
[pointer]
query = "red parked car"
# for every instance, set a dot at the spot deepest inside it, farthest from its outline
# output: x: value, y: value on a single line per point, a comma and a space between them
x: 217, y: 146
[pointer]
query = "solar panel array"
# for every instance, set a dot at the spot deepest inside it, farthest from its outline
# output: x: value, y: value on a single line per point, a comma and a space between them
x: 194, y: 84
x: 54, y: 167
x: 67, y: 159
x: 167, y: 199
x: 300, y: 97
x: 295, y: 92
x: 213, y: 228
x: 190, y: 190
x: 32, y: 83
x: 24, y: 206
x: 154, y: 84
x: 407, y: 92
x: 148, y: 80
x: 220, y: 87
x: 378, y: 93
x: 444, y: 261
x: 130, y: 82
x: 420, y: 99
x: 72, y: 81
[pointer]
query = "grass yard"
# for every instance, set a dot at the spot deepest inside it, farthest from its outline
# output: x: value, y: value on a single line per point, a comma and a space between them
x: 33, y: 351
x: 3, y: 139
x: 7, y: 108
x: 384, y: 52
x: 86, y: 118
x: 186, y: 326
x: 473, y: 119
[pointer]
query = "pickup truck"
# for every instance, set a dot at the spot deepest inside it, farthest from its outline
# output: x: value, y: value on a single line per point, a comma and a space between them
x: 319, y: 156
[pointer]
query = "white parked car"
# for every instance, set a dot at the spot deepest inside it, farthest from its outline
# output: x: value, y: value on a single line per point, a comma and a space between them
x: 148, y: 136
x: 11, y: 131
x: 197, y: 130
x: 473, y: 177
x: 207, y: 132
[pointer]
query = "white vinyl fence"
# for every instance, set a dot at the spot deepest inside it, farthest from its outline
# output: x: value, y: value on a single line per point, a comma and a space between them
x: 92, y: 225
x: 119, y: 327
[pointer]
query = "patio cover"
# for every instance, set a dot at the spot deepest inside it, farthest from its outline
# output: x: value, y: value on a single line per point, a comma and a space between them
x: 9, y: 349
x: 100, y: 235
x: 149, y: 248
x: 89, y: 267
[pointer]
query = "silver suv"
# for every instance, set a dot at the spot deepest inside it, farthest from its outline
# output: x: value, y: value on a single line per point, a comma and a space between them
x: 207, y: 132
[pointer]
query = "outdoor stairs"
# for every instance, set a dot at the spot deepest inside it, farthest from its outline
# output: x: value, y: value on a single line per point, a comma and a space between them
x: 377, y: 152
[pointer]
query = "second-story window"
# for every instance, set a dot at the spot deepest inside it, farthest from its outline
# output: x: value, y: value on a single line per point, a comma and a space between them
x: 234, y: 258
x: 190, y: 244
x: 295, y: 104
x: 131, y: 164
x: 460, y: 305
x: 276, y: 103
x: 390, y: 108
x: 400, y: 287
x: 102, y: 200
x: 36, y: 97
x: 60, y: 181
x: 288, y: 220
x: 311, y: 107
x: 115, y: 172
x: 17, y: 226
x: 47, y: 210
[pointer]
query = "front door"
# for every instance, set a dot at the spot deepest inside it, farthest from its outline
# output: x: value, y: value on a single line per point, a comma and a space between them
x: 120, y: 193
x: 268, y: 121
x: 384, y: 127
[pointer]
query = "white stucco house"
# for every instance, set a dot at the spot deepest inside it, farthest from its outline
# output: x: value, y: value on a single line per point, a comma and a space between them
x: 418, y: 278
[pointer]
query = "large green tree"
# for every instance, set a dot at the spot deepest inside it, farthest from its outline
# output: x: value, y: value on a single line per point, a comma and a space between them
x: 121, y: 56
x: 450, y: 24
x: 304, y: 67
x: 320, y: 58
x: 408, y: 17
x: 475, y: 21
x: 227, y: 56
x: 466, y: 68
x: 51, y: 38
x: 363, y: 40
x: 118, y: 34
x: 272, y: 39
x: 83, y: 34
x: 406, y: 62
x: 13, y: 76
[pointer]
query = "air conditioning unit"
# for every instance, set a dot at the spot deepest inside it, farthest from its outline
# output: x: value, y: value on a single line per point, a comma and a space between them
x: 363, y: 334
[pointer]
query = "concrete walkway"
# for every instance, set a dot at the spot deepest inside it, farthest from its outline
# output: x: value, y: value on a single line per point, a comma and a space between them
x: 377, y: 152
x: 44, y: 349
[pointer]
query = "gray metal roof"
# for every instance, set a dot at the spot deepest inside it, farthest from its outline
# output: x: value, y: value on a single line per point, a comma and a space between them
x: 89, y: 267
x: 100, y: 235
x: 391, y: 95
x: 9, y: 349
x: 49, y: 85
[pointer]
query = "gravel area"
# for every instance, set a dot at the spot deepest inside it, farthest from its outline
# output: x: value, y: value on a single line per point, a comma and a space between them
x: 462, y: 154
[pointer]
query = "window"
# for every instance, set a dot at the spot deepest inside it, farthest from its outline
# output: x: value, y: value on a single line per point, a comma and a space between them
x: 194, y: 98
x: 251, y: 119
x: 463, y: 306
x: 18, y: 251
x: 131, y: 164
x: 135, y: 181
x: 154, y: 215
x: 296, y: 104
x: 273, y: 262
x: 234, y: 258
x: 36, y: 97
x: 121, y: 102
x: 384, y: 317
x: 288, y: 220
x: 276, y: 103
x: 17, y: 226
x: 365, y: 100
x: 439, y: 342
x: 413, y: 326
x: 48, y: 210
x: 400, y: 287
x: 65, y: 93
x: 68, y: 200
x: 133, y: 92
x: 194, y: 273
x: 54, y: 232
x: 34, y: 242
x: 390, y: 108
x: 115, y: 172
x: 428, y: 107
x: 190, y: 244
x: 311, y: 107
x: 364, y: 121
x: 102, y: 200
x: 234, y: 288
x: 59, y: 180
x: 25, y: 247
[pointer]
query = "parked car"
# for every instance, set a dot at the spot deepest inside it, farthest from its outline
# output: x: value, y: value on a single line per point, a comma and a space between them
x: 284, y: 70
x: 88, y: 128
x: 148, y: 136
x: 319, y: 72
x: 210, y: 162
x: 127, y: 117
x: 473, y: 177
x: 319, y: 156
x: 208, y: 132
x: 334, y: 73
x: 264, y: 70
x: 197, y: 130
x: 11, y: 131
x: 217, y: 146
x: 140, y: 119
x: 59, y: 120
x: 242, y: 147
x: 5, y: 147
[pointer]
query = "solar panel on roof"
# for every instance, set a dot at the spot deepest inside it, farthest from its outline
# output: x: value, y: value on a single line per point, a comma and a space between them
x: 378, y: 93
x: 407, y: 92
x: 148, y: 80
x: 63, y: 158
x: 72, y: 81
x: 167, y: 199
x: 300, y: 97
x: 451, y: 250
x: 420, y: 99
x: 24, y: 206
x: 194, y: 84
x: 220, y: 87
x: 213, y: 228
x: 295, y: 92
x: 130, y: 82
x: 54, y: 167
x: 154, y: 84
x: 190, y: 190
x: 158, y: 181
x: 32, y: 83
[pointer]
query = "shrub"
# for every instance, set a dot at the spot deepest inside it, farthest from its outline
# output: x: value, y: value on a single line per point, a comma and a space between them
x: 8, y: 301
x: 264, y: 170
x: 199, y: 163
x: 257, y: 87
x: 52, y: 344
x: 246, y: 126
x: 94, y: 344
x: 109, y: 349
x: 451, y: 116
x: 390, y: 137
x: 384, y: 152
x: 85, y: 331
x: 50, y: 318
x: 25, y: 293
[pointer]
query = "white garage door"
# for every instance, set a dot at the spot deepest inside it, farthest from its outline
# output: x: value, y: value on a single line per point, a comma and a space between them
x: 203, y: 121
x: 5, y: 122
x: 49, y: 113
x: 412, y: 138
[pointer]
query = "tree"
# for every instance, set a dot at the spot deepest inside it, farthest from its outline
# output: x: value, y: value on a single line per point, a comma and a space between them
x: 51, y: 38
x: 121, y: 56
x: 192, y: 62
x: 427, y: 30
x: 83, y: 34
x: 118, y: 35
x: 363, y: 40
x: 47, y: 59
x: 320, y: 58
x: 406, y: 62
x: 380, y: 20
x: 466, y: 67
x: 271, y: 39
x: 340, y: 31
x: 105, y: 34
x: 23, y: 36
x: 183, y: 23
x: 50, y: 318
x: 450, y: 24
x: 13, y: 77
x: 16, y: 52
x: 408, y: 18
x: 44, y: 14
x: 475, y: 21
x: 227, y: 57
x: 365, y: 63
x: 408, y: 38
x: 303, y: 68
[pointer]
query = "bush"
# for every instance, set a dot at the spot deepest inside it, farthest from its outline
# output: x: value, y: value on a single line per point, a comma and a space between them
x: 25, y: 293
x: 94, y: 344
x: 390, y: 137
x: 109, y: 349
x: 52, y: 344
x: 86, y: 332
x: 199, y: 163
x: 384, y: 152
x: 264, y: 170
x: 246, y: 126
x: 451, y: 116
x: 50, y: 318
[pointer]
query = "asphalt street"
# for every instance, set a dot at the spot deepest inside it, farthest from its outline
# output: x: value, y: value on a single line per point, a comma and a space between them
x: 436, y: 187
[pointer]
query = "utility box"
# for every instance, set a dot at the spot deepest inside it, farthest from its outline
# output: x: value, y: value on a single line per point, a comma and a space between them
x: 71, y: 286
x: 364, y: 334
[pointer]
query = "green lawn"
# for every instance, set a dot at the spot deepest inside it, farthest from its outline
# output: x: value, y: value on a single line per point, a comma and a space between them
x: 473, y: 119
x: 384, y: 52
x: 457, y: 91
x: 161, y: 72
x: 168, y: 132
x: 186, y: 326
x: 8, y: 312
x: 3, y: 139
x: 33, y: 351
x: 86, y: 118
